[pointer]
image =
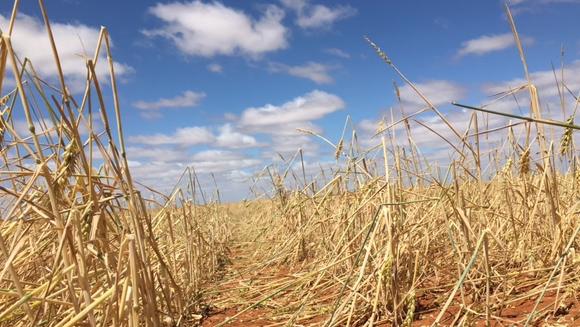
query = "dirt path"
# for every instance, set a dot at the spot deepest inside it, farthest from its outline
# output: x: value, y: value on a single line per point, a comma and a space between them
x: 241, y: 286
x: 250, y: 294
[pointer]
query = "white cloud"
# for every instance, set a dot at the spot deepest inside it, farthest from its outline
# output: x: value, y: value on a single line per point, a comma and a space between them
x: 296, y: 5
x: 182, y: 136
x: 213, y: 155
x: 322, y: 16
x: 436, y: 149
x: 300, y: 111
x: 550, y: 101
x: 338, y: 53
x: 282, y: 123
x: 229, y: 170
x: 209, y: 29
x: 368, y: 126
x: 217, y: 161
x: 184, y: 100
x: 166, y: 154
x: 74, y: 42
x: 289, y: 144
x: 158, y: 174
x: 489, y: 43
x: 230, y: 116
x: 215, y: 68
x: 221, y: 160
x: 208, y: 161
x: 47, y: 128
x: 540, y: 2
x: 437, y: 91
x: 230, y: 138
x: 239, y: 176
x: 543, y: 80
x: 313, y: 16
x: 316, y: 72
x: 133, y: 163
x: 432, y: 146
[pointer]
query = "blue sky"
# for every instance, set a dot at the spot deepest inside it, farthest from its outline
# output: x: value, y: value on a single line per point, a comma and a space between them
x: 222, y: 86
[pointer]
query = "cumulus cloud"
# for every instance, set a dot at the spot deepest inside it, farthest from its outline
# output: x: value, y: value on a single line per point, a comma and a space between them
x: 301, y: 110
x: 436, y: 149
x: 519, y: 3
x: 316, y: 72
x: 338, y: 53
x: 216, y: 161
x: 368, y: 126
x: 164, y: 173
x: 543, y: 80
x: 47, y: 128
x: 550, y: 101
x: 165, y: 155
x: 296, y: 5
x: 437, y: 91
x: 186, y: 99
x: 183, y: 136
x: 215, y: 68
x: 230, y: 138
x: 161, y: 166
x: 162, y: 153
x: 427, y: 130
x: 283, y: 144
x: 284, y: 122
x: 209, y: 29
x: 279, y: 125
x: 74, y: 42
x: 158, y: 174
x: 315, y: 16
x: 227, y: 137
x: 489, y: 43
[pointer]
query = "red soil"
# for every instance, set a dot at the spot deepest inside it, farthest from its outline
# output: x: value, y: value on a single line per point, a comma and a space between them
x: 427, y: 307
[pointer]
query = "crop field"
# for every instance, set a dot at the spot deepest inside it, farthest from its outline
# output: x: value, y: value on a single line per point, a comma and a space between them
x: 384, y: 237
